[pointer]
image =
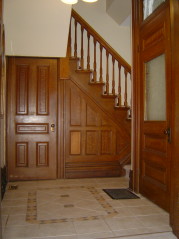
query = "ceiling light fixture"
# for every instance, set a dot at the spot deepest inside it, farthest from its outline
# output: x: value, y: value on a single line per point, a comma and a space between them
x: 75, y: 1
x: 89, y: 0
x: 70, y: 1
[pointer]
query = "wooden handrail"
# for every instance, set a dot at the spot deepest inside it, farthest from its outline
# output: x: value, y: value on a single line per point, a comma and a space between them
x: 102, y: 42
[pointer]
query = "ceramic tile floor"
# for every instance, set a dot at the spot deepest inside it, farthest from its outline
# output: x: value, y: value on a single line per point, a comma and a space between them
x: 79, y: 209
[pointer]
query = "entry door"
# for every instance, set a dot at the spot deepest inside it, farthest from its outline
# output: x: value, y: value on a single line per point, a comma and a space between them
x: 32, y: 110
x: 155, y: 102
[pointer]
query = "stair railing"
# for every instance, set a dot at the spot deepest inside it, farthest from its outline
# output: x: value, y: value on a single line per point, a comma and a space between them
x: 97, y: 56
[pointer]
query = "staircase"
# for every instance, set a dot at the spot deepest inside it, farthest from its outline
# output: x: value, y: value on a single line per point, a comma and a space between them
x: 100, y: 78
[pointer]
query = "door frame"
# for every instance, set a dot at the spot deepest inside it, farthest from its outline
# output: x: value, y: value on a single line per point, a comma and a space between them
x: 136, y: 103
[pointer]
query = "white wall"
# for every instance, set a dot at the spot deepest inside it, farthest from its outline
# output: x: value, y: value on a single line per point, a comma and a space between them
x: 36, y: 27
x: 119, y: 37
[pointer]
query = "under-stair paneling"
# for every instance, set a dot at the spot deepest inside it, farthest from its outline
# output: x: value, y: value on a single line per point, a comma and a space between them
x: 93, y: 143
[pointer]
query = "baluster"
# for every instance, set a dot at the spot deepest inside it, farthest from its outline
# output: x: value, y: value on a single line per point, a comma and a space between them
x: 88, y: 56
x: 113, y: 77
x: 119, y: 85
x: 69, y: 42
x: 107, y: 72
x: 125, y: 94
x: 101, y: 64
x: 94, y: 72
x: 75, y: 44
x: 82, y: 52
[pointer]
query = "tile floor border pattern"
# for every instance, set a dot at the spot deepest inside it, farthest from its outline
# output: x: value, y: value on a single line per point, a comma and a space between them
x: 31, y: 215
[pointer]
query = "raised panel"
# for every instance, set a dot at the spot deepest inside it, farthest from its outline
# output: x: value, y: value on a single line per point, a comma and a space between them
x: 120, y: 143
x: 91, y: 142
x: 75, y: 142
x: 155, y: 158
x: 42, y: 154
x: 105, y: 122
x: 75, y: 108
x: 155, y: 173
x: 154, y: 38
x: 22, y: 154
x: 43, y: 90
x: 22, y: 81
x: 91, y: 117
x: 106, y: 141
x: 155, y: 143
x: 32, y: 128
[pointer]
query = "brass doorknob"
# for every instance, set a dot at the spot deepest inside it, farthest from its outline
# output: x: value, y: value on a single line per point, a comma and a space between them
x: 52, y: 127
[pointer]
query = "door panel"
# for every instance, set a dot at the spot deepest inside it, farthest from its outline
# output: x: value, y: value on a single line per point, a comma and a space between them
x: 32, y: 109
x: 155, y: 107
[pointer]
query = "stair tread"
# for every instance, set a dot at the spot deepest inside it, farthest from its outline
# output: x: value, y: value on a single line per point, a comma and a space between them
x: 122, y: 107
x: 74, y: 58
x: 96, y: 83
x: 84, y: 71
x: 109, y: 96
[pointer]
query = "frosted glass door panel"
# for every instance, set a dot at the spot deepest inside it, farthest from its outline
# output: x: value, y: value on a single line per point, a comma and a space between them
x: 149, y: 6
x: 155, y: 89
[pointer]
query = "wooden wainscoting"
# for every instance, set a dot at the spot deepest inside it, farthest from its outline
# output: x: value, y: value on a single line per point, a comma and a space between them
x: 93, y: 143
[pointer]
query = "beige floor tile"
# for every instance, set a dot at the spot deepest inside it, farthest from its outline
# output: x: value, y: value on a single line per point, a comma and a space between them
x: 14, y: 203
x: 20, y: 210
x: 95, y: 226
x: 13, y: 195
x: 130, y: 232
x: 115, y: 203
x: 123, y: 212
x: 19, y: 232
x: 156, y: 229
x: 57, y: 237
x: 57, y: 229
x: 124, y: 223
x: 17, y: 220
x: 99, y: 235
x: 4, y: 219
x: 152, y: 236
x: 145, y: 210
x: 154, y: 220
x: 135, y: 202
x: 5, y: 210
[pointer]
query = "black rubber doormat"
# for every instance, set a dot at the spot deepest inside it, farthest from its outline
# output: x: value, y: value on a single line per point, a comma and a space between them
x: 121, y: 193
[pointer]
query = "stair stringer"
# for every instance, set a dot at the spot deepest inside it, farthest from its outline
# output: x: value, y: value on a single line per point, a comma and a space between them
x: 100, y: 143
x: 95, y: 91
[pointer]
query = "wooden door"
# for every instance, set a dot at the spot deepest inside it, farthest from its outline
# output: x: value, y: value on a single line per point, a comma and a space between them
x: 154, y: 101
x: 32, y: 110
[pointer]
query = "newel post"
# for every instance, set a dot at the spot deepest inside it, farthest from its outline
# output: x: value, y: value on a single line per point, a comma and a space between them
x: 63, y: 68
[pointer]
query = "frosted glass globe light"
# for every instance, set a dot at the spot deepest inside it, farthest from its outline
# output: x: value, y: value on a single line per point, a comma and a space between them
x: 70, y: 1
x: 89, y: 0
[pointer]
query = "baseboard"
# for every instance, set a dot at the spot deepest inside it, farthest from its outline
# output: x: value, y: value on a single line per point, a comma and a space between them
x: 176, y: 233
x: 3, y: 181
x: 131, y: 186
x: 106, y: 169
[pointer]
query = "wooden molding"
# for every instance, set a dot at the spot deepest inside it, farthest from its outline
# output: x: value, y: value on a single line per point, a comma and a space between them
x: 174, y: 206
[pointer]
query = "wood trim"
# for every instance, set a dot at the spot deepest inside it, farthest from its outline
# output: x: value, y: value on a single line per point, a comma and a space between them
x: 174, y: 211
x: 135, y: 97
x: 98, y: 38
x: 131, y: 186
